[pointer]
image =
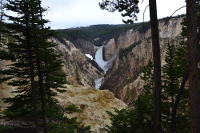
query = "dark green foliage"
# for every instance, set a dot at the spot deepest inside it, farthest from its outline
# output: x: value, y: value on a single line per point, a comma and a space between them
x: 170, y: 74
x: 35, y: 71
x: 107, y: 32
x: 181, y: 67
x: 72, y: 108
x: 72, y: 35
x: 101, y: 33
x: 129, y: 8
x: 122, y: 121
x: 181, y: 58
x: 68, y: 125
x: 64, y: 126
x: 126, y: 51
x: 171, y: 82
x: 128, y: 120
x: 148, y: 77
x: 58, y: 123
x: 4, y: 129
x: 31, y: 40
x: 97, y: 34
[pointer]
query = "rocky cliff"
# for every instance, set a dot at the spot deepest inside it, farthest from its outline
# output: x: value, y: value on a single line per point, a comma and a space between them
x: 131, y: 45
x: 133, y: 50
x: 79, y: 69
x: 93, y: 104
x: 86, y: 47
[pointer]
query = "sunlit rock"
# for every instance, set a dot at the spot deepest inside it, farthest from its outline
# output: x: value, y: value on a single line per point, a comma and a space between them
x: 93, y: 104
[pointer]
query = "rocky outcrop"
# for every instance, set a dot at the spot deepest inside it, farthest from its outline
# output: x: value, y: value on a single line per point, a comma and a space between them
x: 127, y: 66
x: 93, y: 104
x: 170, y: 29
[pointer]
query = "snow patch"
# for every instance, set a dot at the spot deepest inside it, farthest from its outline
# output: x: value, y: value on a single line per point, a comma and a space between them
x: 89, y: 56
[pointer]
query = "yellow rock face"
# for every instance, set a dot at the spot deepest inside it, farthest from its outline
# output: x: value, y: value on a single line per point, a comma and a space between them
x: 93, y: 103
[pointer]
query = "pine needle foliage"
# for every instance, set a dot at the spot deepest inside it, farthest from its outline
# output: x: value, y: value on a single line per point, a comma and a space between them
x: 35, y: 70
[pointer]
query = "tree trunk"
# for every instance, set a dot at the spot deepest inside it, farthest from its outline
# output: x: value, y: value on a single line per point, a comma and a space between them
x: 157, y: 66
x: 41, y: 85
x: 42, y: 94
x: 31, y: 67
x: 193, y: 65
x: 175, y: 106
x: 140, y: 113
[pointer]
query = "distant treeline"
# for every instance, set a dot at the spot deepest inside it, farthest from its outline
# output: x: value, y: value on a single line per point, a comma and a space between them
x: 98, y: 34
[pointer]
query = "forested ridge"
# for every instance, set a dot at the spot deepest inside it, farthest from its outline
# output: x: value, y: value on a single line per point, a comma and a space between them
x: 97, y: 34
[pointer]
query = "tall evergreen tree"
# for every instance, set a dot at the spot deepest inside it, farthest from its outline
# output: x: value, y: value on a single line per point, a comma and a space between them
x: 171, y: 93
x: 35, y: 68
x: 170, y: 84
x: 169, y: 70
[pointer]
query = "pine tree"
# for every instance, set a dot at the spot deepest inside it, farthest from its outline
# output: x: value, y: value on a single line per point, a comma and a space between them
x: 171, y: 77
x: 170, y: 84
x: 35, y: 68
x: 35, y: 71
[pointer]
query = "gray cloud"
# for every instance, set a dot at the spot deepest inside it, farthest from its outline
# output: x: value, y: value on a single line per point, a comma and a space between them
x: 75, y: 13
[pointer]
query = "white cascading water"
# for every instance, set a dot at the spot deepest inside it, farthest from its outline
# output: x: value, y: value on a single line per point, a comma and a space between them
x: 99, y: 59
x: 105, y: 65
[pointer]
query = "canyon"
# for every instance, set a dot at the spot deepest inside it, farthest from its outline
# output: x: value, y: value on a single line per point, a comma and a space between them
x: 125, y: 49
x: 129, y: 51
x: 123, y: 79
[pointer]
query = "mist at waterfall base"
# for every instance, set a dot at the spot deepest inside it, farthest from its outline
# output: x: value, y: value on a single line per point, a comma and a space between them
x: 105, y: 65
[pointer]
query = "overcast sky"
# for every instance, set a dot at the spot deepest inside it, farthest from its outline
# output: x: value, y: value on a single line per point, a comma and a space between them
x: 75, y: 13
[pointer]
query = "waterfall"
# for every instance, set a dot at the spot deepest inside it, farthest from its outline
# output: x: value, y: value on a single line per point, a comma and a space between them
x: 99, y: 59
x: 98, y: 82
x: 105, y: 65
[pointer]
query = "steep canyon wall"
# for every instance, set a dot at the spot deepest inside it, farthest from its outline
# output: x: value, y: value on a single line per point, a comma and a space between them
x: 122, y: 78
x: 79, y: 69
